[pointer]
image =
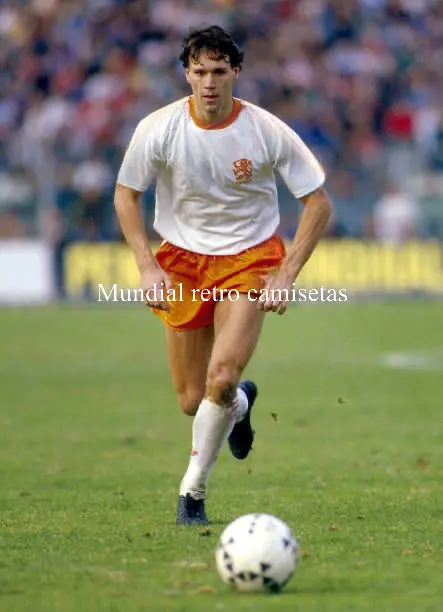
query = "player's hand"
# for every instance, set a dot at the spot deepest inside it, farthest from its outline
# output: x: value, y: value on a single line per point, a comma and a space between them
x: 276, y: 292
x: 155, y: 284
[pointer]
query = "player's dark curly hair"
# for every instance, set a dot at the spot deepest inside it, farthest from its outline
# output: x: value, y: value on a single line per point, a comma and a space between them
x: 215, y: 41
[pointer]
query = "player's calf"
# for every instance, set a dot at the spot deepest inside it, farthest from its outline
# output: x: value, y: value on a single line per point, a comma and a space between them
x: 189, y: 400
x: 222, y: 407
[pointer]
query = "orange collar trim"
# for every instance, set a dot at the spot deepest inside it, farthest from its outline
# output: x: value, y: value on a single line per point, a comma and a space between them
x: 236, y: 109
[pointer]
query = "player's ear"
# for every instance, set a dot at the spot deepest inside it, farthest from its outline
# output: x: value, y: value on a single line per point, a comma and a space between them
x: 187, y: 75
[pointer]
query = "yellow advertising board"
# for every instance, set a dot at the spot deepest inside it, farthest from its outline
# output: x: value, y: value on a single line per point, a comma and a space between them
x: 346, y: 264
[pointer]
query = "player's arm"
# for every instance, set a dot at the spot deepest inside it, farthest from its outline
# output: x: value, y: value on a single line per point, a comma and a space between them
x: 128, y: 209
x: 315, y: 216
x: 137, y: 171
x: 152, y: 276
x: 316, y: 213
x: 305, y: 178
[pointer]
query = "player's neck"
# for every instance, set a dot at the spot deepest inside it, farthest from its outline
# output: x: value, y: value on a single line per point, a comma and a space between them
x: 215, y: 121
x: 209, y: 119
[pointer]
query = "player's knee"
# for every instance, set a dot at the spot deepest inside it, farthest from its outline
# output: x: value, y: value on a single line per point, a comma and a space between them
x: 189, y: 402
x: 222, y: 382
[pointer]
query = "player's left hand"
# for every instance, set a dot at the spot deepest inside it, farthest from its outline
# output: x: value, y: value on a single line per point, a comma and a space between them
x: 276, y: 292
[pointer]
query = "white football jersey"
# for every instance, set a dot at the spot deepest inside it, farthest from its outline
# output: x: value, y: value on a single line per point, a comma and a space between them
x: 216, y: 192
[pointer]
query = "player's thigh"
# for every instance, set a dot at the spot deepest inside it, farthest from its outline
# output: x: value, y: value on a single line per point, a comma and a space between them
x: 237, y: 326
x: 188, y: 355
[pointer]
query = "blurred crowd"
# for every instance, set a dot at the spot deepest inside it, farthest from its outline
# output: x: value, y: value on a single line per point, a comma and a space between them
x: 359, y: 80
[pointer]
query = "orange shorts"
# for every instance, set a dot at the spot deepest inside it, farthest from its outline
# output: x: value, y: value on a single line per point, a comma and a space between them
x: 199, y: 279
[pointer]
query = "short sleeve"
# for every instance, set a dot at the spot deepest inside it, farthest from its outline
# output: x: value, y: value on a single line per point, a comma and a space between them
x: 295, y: 162
x: 140, y: 163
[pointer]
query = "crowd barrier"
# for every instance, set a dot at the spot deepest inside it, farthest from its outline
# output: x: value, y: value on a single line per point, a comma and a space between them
x: 32, y: 272
x: 356, y: 266
x: 26, y: 272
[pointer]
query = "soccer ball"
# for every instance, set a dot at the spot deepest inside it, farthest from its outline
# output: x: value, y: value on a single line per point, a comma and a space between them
x: 257, y: 552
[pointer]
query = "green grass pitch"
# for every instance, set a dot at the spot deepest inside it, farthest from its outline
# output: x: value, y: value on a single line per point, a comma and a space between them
x: 349, y: 452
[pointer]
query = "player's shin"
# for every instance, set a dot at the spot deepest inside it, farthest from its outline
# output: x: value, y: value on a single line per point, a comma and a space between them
x: 212, y: 425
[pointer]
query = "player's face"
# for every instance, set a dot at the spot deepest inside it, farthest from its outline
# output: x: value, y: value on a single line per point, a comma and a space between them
x: 212, y: 82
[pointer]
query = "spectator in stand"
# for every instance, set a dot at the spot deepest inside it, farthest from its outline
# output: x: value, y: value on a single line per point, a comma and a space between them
x: 396, y: 216
x: 358, y: 79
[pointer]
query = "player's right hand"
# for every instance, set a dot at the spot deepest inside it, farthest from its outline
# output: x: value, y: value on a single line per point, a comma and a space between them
x: 155, y: 284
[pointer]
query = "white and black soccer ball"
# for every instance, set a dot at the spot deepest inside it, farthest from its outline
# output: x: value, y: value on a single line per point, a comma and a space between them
x: 257, y: 552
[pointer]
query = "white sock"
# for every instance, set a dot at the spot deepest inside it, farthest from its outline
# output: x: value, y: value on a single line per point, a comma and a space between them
x: 242, y: 407
x: 212, y: 425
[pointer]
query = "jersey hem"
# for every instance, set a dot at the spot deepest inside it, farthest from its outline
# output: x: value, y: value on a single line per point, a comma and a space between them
x: 218, y: 253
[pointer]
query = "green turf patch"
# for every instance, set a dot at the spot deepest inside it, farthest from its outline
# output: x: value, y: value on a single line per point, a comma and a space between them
x: 349, y: 452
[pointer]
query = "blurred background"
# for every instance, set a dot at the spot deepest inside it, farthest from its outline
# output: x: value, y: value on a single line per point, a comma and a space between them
x: 359, y: 80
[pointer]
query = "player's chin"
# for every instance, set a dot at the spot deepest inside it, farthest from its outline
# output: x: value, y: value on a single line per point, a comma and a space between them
x: 212, y: 103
